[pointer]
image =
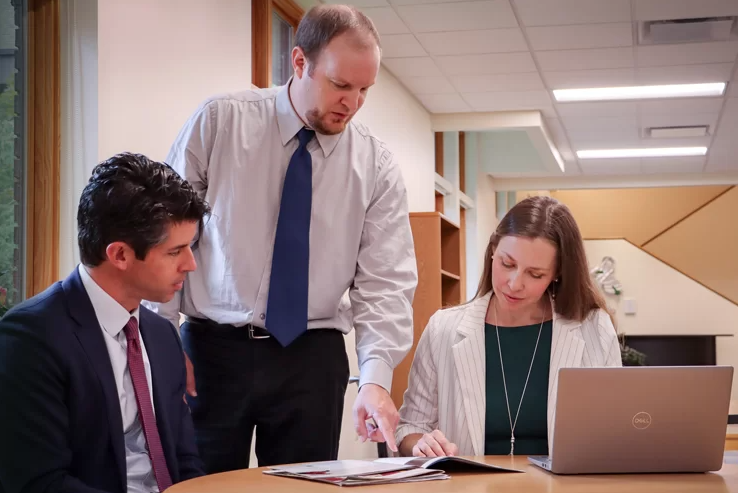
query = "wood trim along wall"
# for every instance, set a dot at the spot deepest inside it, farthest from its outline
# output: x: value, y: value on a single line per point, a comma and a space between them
x: 667, y: 264
x: 462, y: 162
x: 462, y: 214
x: 687, y: 216
x: 43, y: 141
x: 261, y: 35
x: 439, y: 153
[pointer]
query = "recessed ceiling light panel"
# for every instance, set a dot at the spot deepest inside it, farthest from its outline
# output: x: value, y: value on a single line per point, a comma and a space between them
x: 644, y: 152
x: 640, y: 92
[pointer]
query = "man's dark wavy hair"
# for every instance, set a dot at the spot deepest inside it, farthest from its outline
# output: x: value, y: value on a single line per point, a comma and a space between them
x: 132, y: 199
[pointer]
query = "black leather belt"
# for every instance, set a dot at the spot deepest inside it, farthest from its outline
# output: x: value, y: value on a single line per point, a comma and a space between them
x: 254, y: 331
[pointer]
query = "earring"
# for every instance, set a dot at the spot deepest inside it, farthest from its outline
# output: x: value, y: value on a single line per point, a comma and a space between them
x: 554, y: 285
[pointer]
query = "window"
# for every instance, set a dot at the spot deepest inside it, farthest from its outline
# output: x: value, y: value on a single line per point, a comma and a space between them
x: 273, y: 26
x: 12, y: 153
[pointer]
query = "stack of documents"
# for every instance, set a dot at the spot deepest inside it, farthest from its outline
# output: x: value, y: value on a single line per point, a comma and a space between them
x: 381, y: 471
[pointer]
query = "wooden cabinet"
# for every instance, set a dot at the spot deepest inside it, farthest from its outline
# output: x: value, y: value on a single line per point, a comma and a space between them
x: 439, y: 254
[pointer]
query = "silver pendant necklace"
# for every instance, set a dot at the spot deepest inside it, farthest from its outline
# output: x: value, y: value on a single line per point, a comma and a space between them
x: 504, y: 383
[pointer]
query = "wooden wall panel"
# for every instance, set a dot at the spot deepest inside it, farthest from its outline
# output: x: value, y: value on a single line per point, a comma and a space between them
x: 43, y: 141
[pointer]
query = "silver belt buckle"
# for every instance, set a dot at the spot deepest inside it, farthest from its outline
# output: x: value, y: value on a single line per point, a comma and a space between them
x: 252, y: 336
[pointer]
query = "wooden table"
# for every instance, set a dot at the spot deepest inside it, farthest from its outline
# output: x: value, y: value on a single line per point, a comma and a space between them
x: 533, y: 480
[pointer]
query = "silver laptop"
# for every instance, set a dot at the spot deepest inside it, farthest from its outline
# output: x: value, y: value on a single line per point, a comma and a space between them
x: 644, y: 419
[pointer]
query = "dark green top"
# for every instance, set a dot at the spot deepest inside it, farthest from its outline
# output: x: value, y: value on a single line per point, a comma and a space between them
x: 518, y: 343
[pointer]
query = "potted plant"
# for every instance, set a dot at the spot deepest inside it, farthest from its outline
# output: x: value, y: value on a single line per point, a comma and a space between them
x: 630, y: 356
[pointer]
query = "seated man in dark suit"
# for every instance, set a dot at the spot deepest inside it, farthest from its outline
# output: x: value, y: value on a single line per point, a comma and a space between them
x: 91, y: 383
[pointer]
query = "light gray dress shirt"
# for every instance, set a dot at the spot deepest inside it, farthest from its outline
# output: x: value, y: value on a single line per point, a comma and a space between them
x: 235, y: 150
x: 112, y: 317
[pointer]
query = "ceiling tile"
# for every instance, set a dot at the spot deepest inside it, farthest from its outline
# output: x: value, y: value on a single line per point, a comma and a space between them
x: 686, y: 54
x: 386, y: 20
x: 511, y: 101
x: 428, y: 85
x: 684, y: 74
x: 580, y: 37
x: 598, y: 58
x: 658, y: 165
x: 530, y: 81
x: 401, y: 45
x: 610, y: 166
x: 566, y: 12
x: 598, y: 136
x: 680, y: 106
x: 716, y: 164
x: 733, y: 89
x: 729, y: 119
x: 598, y: 109
x: 413, y: 67
x: 648, y: 10
x: 590, y: 78
x: 498, y: 63
x: 601, y: 124
x: 722, y: 153
x: 444, y: 103
x: 473, y: 42
x: 459, y: 16
x: 572, y: 168
x: 722, y: 149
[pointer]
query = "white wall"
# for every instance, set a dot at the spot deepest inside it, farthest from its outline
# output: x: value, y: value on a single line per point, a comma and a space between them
x: 398, y: 119
x: 486, y: 205
x: 667, y: 301
x: 182, y: 51
x: 78, y: 48
x: 158, y: 60
x: 482, y: 219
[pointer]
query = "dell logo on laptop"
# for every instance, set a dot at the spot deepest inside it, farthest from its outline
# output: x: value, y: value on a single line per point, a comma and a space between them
x: 642, y: 420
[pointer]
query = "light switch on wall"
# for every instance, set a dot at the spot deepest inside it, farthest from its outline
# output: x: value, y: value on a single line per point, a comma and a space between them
x: 629, y: 306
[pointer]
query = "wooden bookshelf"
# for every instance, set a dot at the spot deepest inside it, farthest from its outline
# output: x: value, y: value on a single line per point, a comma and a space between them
x: 438, y: 252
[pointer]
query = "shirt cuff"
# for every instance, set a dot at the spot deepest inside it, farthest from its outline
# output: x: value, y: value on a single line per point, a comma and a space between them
x: 377, y: 372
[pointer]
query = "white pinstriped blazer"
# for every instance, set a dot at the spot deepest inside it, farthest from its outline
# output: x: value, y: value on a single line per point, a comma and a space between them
x: 446, y: 388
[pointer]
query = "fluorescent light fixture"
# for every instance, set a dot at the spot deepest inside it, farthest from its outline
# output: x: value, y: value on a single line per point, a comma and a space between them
x: 645, y: 152
x: 640, y: 92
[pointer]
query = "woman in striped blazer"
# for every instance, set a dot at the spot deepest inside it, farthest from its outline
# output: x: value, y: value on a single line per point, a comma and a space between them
x: 484, y: 376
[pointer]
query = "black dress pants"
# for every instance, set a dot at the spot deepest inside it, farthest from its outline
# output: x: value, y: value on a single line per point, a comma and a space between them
x: 293, y: 396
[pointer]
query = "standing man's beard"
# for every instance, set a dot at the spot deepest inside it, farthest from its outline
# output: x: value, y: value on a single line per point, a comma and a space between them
x: 315, y: 120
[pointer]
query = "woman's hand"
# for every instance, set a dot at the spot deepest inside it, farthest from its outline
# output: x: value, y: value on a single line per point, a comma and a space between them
x: 434, y: 444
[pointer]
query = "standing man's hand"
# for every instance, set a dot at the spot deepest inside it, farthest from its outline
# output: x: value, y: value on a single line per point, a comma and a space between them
x: 374, y: 402
x: 190, y: 377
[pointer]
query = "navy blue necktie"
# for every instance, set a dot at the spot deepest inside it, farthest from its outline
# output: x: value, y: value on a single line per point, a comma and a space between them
x: 287, y: 305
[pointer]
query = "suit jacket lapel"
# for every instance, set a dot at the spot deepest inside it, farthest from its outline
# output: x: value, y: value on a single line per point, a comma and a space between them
x: 567, y: 349
x: 89, y: 333
x: 469, y: 360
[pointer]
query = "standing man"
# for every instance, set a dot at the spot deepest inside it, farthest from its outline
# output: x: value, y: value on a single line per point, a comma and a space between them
x: 91, y: 383
x: 307, y: 205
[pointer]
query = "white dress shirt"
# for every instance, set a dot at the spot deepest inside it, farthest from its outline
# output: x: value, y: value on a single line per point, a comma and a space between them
x: 235, y: 150
x: 113, y: 318
x: 446, y: 387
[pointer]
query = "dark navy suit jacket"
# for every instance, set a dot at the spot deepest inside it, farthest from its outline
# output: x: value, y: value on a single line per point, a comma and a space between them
x: 60, y: 421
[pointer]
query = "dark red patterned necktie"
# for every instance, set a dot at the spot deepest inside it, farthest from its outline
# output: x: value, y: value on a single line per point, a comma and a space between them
x: 145, y: 408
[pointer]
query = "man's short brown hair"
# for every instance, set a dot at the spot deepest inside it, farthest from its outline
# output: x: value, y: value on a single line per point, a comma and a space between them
x: 322, y: 23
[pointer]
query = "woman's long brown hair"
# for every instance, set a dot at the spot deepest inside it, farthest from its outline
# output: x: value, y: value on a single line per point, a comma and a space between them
x: 545, y: 217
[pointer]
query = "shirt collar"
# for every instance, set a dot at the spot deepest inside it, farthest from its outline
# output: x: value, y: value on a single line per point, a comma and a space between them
x: 289, y: 123
x: 110, y: 314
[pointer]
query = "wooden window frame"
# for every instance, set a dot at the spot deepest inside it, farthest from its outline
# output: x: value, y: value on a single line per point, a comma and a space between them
x: 43, y: 139
x: 261, y: 35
